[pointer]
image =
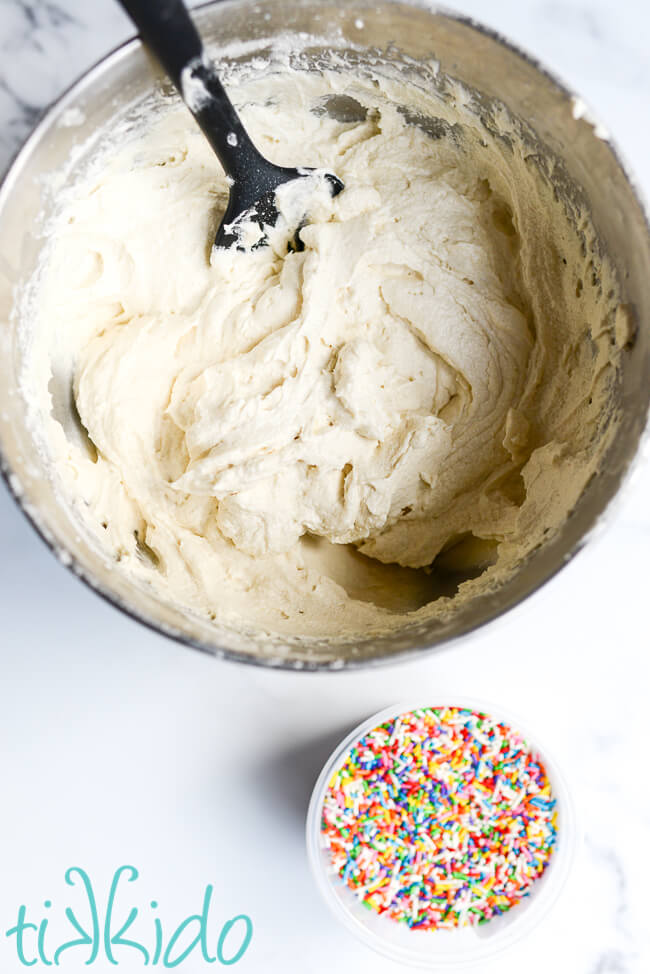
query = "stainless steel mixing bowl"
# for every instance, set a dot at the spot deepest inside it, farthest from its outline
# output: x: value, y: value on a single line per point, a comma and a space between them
x: 465, y: 50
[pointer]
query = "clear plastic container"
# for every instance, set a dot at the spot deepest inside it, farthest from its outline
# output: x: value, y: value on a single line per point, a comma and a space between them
x: 444, y: 950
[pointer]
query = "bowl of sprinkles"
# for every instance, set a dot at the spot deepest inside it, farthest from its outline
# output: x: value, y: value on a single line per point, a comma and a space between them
x: 440, y: 834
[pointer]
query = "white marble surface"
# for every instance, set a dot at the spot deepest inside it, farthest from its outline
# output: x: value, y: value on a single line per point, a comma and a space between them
x: 119, y: 746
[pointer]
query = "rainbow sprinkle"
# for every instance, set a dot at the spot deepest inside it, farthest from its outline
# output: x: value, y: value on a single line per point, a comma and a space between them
x: 440, y: 818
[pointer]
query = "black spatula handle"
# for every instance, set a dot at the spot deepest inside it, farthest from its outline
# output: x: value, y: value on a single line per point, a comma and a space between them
x: 167, y: 30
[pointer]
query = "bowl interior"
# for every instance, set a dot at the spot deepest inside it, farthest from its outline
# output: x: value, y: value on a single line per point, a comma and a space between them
x: 476, y: 57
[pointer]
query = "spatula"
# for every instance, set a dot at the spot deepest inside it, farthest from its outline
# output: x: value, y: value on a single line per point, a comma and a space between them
x: 166, y: 29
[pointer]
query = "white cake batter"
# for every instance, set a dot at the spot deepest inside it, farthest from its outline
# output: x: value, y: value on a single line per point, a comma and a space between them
x: 422, y: 374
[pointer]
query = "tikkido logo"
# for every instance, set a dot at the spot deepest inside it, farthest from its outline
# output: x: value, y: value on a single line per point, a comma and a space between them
x: 103, y: 937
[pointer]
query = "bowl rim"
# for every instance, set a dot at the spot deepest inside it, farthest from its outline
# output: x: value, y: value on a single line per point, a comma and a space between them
x: 557, y: 873
x: 70, y: 561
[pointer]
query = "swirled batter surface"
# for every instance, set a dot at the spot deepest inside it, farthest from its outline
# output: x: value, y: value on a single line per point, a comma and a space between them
x: 423, y: 384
